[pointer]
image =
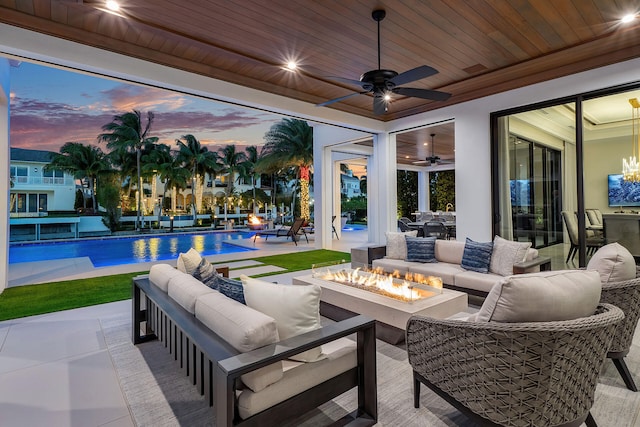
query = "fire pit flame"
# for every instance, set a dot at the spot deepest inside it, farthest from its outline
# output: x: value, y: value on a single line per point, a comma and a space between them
x: 386, y: 284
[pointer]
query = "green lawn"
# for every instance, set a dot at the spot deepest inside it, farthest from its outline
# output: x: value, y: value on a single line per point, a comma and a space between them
x: 22, y: 301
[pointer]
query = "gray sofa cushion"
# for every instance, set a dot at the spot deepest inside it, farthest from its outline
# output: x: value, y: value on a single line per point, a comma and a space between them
x: 184, y: 289
x: 245, y: 329
x: 160, y: 274
x: 449, y: 251
x: 444, y: 270
x: 477, y: 281
x: 341, y: 356
x: 390, y: 265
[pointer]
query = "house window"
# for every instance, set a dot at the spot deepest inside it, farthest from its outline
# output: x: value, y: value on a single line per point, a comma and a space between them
x: 52, y: 177
x: 20, y: 174
x: 32, y: 203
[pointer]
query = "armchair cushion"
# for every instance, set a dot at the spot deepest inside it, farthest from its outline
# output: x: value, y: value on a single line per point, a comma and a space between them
x: 296, y: 309
x: 477, y: 256
x: 614, y: 263
x: 542, y: 297
x: 421, y: 249
x: 506, y: 253
x: 397, y: 244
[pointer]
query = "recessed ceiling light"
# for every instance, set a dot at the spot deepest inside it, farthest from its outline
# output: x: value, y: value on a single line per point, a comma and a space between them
x: 112, y: 5
x: 406, y: 157
x: 426, y: 143
x: 291, y: 66
x: 628, y: 18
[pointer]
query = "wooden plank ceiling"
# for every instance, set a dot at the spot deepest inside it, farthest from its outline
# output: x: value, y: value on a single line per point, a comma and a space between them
x: 479, y: 47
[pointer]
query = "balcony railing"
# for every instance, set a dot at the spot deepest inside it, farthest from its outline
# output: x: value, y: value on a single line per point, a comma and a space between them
x: 43, y: 180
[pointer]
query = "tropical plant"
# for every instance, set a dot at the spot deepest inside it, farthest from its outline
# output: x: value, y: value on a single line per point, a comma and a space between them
x: 199, y: 161
x: 126, y: 133
x: 248, y: 170
x: 290, y: 143
x: 407, y: 191
x: 232, y: 163
x: 84, y: 162
x: 109, y: 198
x: 165, y: 163
x: 443, y: 190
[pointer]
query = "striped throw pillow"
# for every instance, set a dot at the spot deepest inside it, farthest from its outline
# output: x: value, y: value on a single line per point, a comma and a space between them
x: 477, y: 256
x: 421, y: 249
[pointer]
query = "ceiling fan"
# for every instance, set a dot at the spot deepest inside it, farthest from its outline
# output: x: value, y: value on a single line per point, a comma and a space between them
x: 382, y: 83
x: 432, y: 159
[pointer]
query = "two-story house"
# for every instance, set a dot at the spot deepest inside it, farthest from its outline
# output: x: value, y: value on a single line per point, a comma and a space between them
x: 36, y: 191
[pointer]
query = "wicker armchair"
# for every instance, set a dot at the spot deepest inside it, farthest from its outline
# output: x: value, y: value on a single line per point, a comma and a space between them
x: 626, y: 296
x: 513, y: 374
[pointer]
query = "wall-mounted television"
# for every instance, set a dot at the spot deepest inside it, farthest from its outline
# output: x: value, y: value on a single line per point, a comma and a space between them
x: 621, y: 192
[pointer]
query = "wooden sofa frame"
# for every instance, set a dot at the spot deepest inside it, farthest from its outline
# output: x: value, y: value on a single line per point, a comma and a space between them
x: 215, y: 367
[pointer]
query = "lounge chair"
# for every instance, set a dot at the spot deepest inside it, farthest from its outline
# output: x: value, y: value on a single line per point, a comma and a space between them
x: 293, y: 231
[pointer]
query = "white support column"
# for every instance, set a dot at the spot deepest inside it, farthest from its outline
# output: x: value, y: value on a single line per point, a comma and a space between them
x: 5, y: 161
x: 337, y: 202
x: 382, y: 194
x: 423, y: 191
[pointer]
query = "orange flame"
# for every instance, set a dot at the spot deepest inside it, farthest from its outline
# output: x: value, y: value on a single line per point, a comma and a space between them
x: 254, y: 220
x: 388, y: 284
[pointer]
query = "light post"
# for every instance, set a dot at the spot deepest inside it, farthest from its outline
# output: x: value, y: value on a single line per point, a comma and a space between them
x: 170, y: 223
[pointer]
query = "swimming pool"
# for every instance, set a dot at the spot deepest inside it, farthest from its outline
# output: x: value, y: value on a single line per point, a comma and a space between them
x: 130, y: 250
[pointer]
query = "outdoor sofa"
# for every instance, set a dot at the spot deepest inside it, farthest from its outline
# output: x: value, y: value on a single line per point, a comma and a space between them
x: 406, y: 253
x: 233, y: 354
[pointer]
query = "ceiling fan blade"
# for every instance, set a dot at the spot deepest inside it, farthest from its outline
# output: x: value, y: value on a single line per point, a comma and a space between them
x: 342, y: 98
x: 413, y: 75
x: 422, y: 162
x: 379, y: 105
x: 422, y: 93
x: 349, y: 81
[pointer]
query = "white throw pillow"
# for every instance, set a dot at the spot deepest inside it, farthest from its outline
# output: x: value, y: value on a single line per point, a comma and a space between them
x: 296, y: 309
x: 614, y: 263
x: 188, y: 263
x: 397, y: 244
x: 542, y: 297
x: 505, y: 254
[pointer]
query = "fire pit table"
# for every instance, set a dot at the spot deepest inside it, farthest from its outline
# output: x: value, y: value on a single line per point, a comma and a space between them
x: 340, y: 301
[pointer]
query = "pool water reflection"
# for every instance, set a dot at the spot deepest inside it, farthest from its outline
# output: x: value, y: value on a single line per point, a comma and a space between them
x: 130, y: 250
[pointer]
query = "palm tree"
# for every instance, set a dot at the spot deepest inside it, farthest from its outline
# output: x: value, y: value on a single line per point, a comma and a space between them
x: 290, y: 143
x: 248, y: 169
x: 232, y: 162
x: 126, y: 133
x: 199, y: 161
x: 162, y: 162
x: 84, y: 162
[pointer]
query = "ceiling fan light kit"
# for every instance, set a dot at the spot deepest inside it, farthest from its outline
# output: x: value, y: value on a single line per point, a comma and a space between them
x: 382, y: 83
x: 432, y: 159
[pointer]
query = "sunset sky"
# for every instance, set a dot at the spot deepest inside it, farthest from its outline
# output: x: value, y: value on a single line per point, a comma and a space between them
x: 50, y: 106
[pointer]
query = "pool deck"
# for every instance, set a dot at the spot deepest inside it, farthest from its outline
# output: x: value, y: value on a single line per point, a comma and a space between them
x: 29, y: 273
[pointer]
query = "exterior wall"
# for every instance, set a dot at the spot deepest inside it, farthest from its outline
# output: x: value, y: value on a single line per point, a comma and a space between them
x: 60, y: 191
